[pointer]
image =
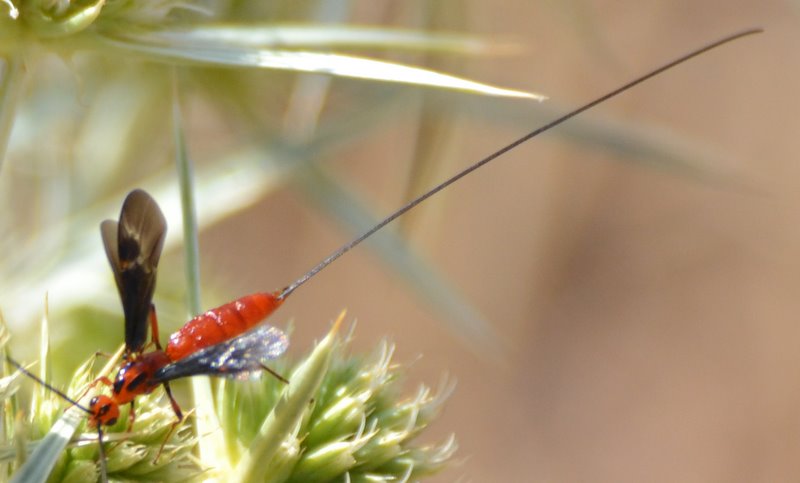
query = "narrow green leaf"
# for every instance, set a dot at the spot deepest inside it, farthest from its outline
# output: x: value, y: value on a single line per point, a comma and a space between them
x: 210, y: 447
x: 184, y: 167
x: 326, y: 37
x: 49, y: 450
x: 308, y: 61
x: 41, y: 392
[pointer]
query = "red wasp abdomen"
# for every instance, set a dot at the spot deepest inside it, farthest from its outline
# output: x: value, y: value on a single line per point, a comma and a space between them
x: 222, y: 323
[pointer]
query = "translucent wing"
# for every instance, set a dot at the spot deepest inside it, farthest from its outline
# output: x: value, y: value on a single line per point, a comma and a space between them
x: 231, y: 358
x: 133, y: 246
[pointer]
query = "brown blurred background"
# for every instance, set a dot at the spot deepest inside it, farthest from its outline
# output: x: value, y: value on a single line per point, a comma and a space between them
x: 650, y: 316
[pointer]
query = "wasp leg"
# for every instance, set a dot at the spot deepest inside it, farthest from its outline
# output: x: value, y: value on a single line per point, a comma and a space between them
x: 178, y: 414
x: 277, y: 376
x: 154, y: 326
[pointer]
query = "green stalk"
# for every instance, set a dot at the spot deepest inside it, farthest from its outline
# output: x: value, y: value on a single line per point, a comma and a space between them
x: 186, y: 183
x: 210, y: 448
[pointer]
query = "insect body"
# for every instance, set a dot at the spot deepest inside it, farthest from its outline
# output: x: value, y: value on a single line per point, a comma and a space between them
x: 221, y: 323
x: 216, y: 342
x: 230, y: 358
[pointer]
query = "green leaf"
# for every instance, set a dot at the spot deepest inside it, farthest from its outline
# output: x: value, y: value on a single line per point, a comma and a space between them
x: 49, y: 450
x: 233, y: 55
x: 324, y: 37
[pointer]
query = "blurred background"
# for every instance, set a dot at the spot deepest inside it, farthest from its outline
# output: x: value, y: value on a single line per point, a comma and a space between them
x: 638, y: 268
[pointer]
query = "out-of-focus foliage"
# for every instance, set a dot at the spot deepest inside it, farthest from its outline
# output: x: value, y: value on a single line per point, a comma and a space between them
x: 92, y: 79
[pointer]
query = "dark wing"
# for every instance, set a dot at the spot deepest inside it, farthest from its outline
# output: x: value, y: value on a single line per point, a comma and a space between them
x: 231, y: 358
x: 133, y: 246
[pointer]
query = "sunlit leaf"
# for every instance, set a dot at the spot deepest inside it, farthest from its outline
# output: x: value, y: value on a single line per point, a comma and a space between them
x: 233, y: 55
x: 325, y: 37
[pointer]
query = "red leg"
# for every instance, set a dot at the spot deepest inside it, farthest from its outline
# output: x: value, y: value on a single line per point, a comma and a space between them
x: 166, y: 438
x: 178, y: 414
x: 154, y: 326
x: 174, y: 403
x: 94, y: 383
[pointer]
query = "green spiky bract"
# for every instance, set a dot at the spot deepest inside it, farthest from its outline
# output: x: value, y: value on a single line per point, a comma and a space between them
x: 352, y: 424
x: 340, y: 418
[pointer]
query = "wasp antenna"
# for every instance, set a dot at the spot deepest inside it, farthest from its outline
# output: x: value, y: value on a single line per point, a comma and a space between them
x: 546, y: 127
x: 48, y: 386
x: 102, y: 455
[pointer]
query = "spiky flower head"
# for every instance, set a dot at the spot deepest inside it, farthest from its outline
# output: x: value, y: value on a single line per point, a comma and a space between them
x: 357, y: 425
x: 341, y: 418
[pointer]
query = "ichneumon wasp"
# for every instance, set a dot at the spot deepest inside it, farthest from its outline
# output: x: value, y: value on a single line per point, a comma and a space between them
x: 230, y: 339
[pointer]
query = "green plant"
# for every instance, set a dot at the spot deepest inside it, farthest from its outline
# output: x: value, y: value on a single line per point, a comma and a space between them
x: 341, y: 417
